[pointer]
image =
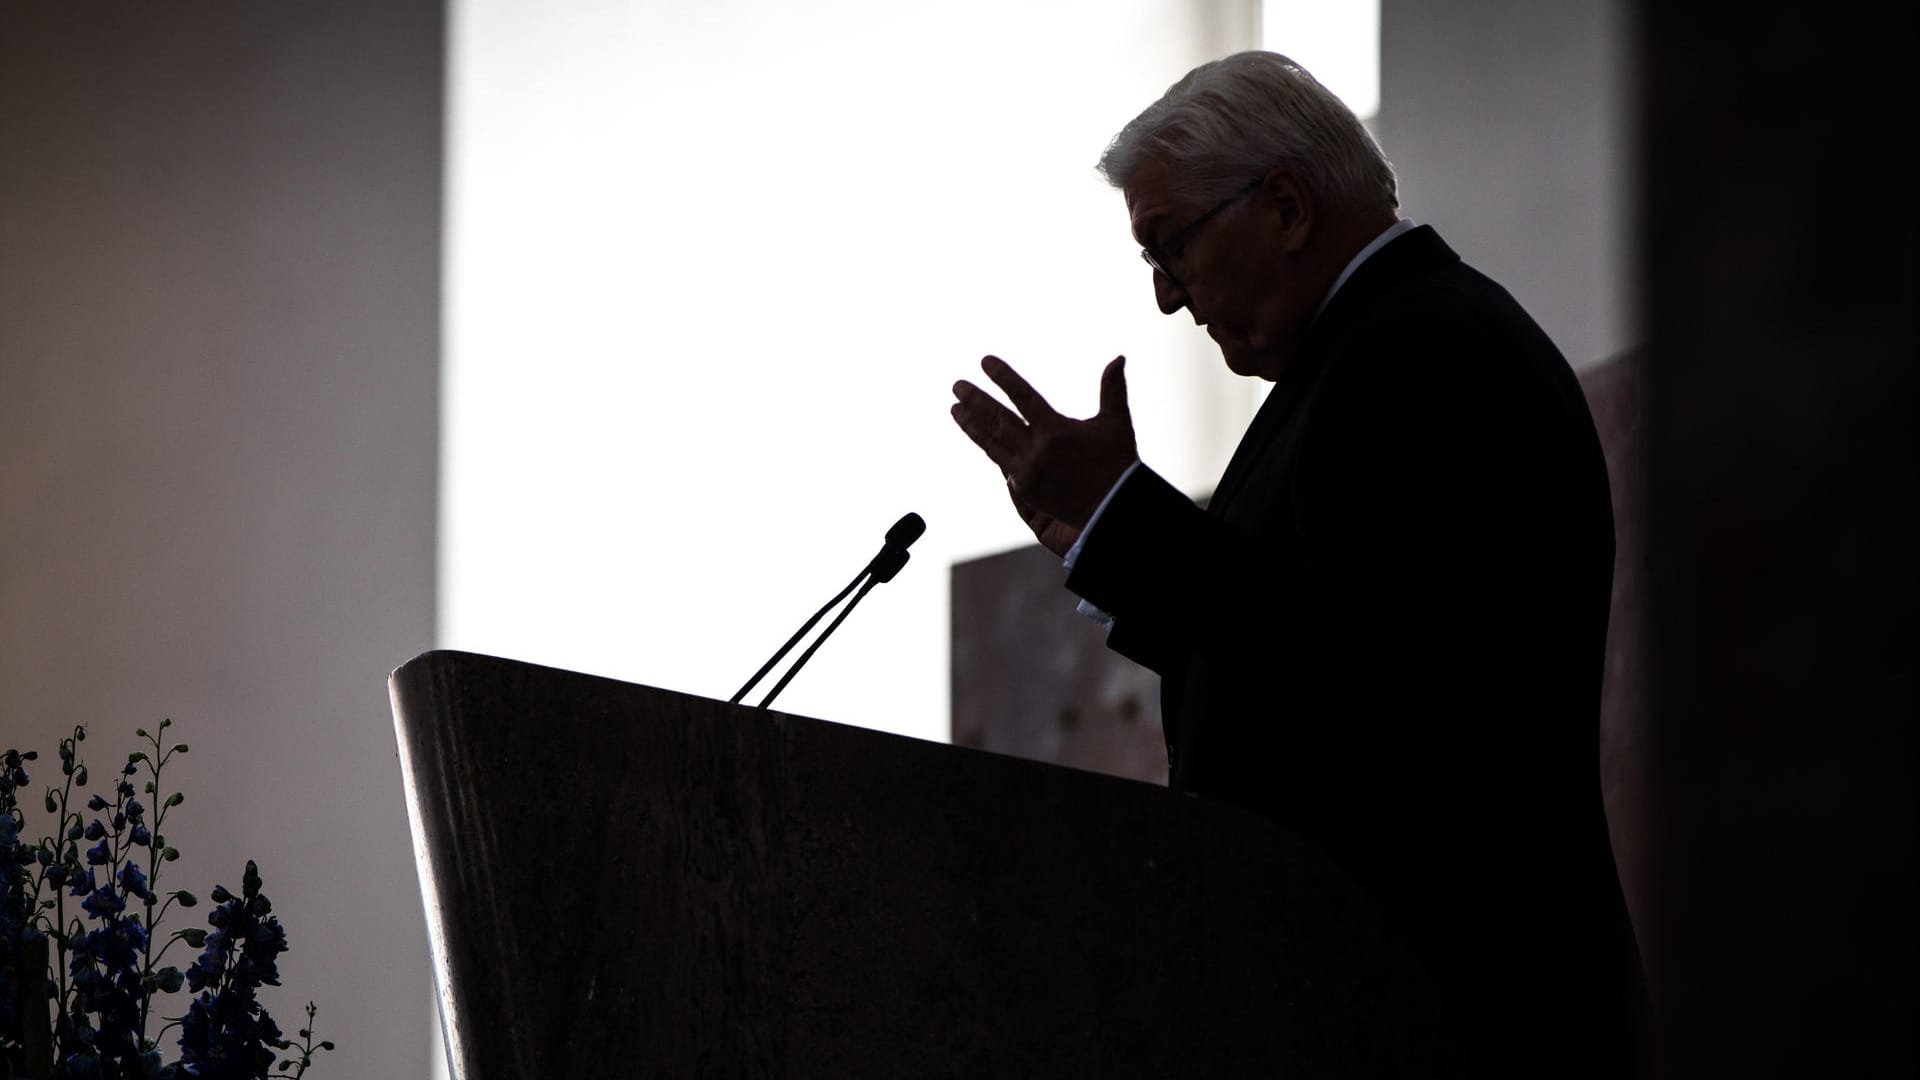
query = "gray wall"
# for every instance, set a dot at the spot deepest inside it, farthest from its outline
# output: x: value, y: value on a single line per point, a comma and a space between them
x: 219, y: 293
x: 1508, y: 123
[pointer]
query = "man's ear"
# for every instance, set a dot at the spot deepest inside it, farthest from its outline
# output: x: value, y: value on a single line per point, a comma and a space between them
x: 1286, y: 195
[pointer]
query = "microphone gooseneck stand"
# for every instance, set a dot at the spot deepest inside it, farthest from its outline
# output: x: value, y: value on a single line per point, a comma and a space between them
x: 795, y: 640
x: 893, y: 556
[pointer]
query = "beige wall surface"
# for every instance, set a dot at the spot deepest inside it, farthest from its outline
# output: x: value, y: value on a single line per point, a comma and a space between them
x: 1509, y: 124
x: 219, y: 289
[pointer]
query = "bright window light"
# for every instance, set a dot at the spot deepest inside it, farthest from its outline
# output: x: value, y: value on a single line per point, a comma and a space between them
x: 1337, y: 40
x: 711, y: 270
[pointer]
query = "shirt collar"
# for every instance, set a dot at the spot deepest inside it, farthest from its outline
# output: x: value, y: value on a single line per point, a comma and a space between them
x: 1386, y: 237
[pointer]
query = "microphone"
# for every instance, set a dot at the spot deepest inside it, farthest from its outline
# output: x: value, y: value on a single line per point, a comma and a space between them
x: 881, y: 568
x: 893, y: 552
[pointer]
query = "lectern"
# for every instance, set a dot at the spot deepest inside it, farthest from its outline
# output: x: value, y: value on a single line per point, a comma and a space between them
x: 622, y: 881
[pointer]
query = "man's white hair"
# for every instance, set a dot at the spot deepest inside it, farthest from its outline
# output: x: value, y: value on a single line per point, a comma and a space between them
x: 1227, y: 122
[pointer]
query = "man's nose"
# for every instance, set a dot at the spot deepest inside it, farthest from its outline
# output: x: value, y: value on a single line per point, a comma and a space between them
x: 1168, y: 293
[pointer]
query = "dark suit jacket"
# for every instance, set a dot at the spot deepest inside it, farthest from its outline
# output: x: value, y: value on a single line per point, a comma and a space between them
x: 1386, y: 631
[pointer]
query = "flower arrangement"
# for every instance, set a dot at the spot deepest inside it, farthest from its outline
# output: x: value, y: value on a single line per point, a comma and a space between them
x: 82, y: 961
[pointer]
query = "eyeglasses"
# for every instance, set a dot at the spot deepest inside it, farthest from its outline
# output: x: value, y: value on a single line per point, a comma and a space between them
x: 1169, y: 257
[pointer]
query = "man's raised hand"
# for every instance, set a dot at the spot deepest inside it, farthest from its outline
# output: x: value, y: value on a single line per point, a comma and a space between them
x: 1057, y: 468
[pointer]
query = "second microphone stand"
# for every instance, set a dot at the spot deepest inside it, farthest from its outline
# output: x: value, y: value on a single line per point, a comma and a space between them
x: 883, y: 567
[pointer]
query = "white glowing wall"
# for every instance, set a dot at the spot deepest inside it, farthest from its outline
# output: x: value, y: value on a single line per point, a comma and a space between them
x: 711, y: 270
x: 1338, y: 41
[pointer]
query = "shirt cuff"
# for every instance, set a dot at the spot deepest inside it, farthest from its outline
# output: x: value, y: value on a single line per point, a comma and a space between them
x: 1088, y: 611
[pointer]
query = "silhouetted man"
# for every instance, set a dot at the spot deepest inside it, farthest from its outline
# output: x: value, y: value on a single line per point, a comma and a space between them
x: 1386, y: 629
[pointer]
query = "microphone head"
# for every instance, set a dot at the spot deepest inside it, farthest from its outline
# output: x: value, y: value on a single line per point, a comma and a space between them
x: 905, y: 531
x: 888, y: 563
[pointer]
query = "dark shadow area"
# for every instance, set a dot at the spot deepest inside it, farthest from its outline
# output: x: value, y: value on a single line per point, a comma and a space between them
x: 1778, y: 288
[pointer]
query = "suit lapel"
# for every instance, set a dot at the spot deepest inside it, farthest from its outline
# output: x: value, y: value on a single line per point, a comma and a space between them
x: 1416, y: 252
x: 1267, y: 423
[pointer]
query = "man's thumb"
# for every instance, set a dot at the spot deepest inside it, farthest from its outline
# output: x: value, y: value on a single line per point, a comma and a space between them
x: 1113, y: 388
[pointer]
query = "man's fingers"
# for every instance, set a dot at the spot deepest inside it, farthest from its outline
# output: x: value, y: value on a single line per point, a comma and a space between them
x: 1025, y: 398
x: 1113, y: 388
x: 992, y: 426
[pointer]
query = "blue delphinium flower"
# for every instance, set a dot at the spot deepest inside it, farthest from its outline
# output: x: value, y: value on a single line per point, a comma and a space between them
x: 103, y: 903
x: 133, y: 881
x: 107, y: 995
x: 16, y: 900
x: 110, y: 968
x: 111, y: 977
x: 227, y: 1034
